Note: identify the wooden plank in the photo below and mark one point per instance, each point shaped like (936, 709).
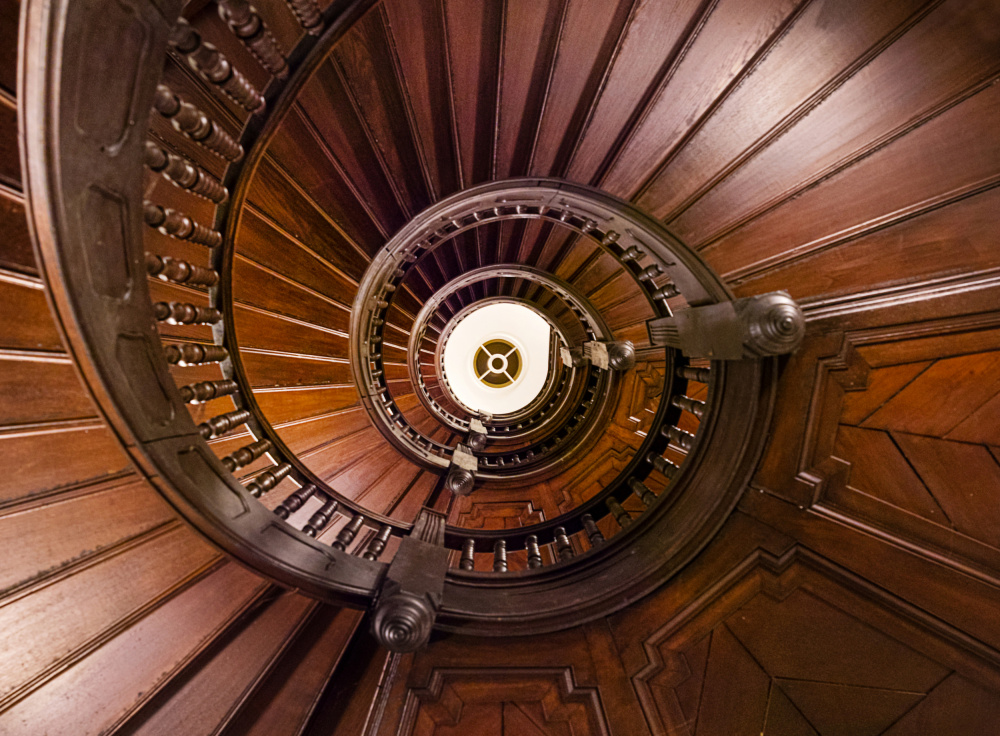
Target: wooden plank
(726, 44)
(909, 251)
(53, 457)
(127, 670)
(366, 62)
(472, 33)
(307, 434)
(649, 48)
(106, 596)
(947, 157)
(286, 405)
(942, 396)
(826, 138)
(289, 694)
(806, 63)
(273, 193)
(414, 31)
(46, 389)
(34, 328)
(9, 11)
(307, 160)
(16, 252)
(10, 159)
(200, 702)
(266, 370)
(61, 531)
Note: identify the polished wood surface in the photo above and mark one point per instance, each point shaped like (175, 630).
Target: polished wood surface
(844, 151)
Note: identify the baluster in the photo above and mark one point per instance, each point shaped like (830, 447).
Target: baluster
(500, 556)
(294, 502)
(166, 268)
(564, 548)
(641, 490)
(220, 425)
(692, 406)
(179, 313)
(246, 455)
(650, 272)
(683, 440)
(249, 27)
(620, 514)
(318, 521)
(690, 373)
(192, 353)
(378, 542)
(633, 253)
(349, 532)
(178, 225)
(184, 174)
(268, 480)
(593, 533)
(662, 465)
(195, 124)
(207, 390)
(468, 561)
(205, 59)
(534, 553)
(667, 291)
(308, 13)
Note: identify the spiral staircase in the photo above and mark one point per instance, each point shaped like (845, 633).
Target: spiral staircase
(245, 497)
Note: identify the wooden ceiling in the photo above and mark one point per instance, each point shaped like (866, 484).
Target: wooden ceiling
(844, 151)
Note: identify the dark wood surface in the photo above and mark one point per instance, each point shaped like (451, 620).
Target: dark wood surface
(843, 151)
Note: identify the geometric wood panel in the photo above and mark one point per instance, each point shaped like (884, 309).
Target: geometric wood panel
(795, 646)
(503, 702)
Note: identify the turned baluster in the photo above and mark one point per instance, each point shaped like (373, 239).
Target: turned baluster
(268, 480)
(650, 272)
(534, 552)
(318, 521)
(620, 514)
(377, 543)
(308, 13)
(500, 556)
(468, 561)
(633, 253)
(166, 268)
(641, 490)
(667, 291)
(245, 23)
(682, 439)
(205, 59)
(178, 313)
(207, 390)
(564, 548)
(178, 225)
(662, 465)
(690, 373)
(294, 502)
(192, 353)
(246, 455)
(686, 403)
(184, 174)
(220, 425)
(195, 124)
(348, 533)
(593, 533)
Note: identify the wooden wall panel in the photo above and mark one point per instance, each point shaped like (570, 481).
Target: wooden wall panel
(101, 690)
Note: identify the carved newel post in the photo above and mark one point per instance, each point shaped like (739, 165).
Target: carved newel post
(410, 596)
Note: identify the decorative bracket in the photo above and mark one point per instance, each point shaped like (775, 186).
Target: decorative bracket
(477, 435)
(616, 356)
(749, 328)
(462, 472)
(410, 597)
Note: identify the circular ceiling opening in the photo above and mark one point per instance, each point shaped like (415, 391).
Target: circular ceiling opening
(497, 358)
